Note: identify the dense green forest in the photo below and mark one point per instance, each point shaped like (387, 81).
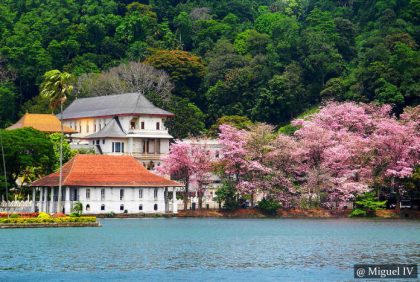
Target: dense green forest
(266, 60)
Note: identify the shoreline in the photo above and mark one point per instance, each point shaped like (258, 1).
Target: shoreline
(254, 213)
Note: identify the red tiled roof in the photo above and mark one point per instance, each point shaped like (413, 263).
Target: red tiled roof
(42, 122)
(105, 170)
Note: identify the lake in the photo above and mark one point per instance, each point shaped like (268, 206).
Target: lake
(178, 249)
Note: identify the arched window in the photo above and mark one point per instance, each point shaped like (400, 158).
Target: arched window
(121, 207)
(155, 194)
(155, 207)
(140, 207)
(102, 207)
(87, 207)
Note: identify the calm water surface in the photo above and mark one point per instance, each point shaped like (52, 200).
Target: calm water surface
(207, 249)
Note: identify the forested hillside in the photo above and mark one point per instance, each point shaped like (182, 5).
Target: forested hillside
(266, 60)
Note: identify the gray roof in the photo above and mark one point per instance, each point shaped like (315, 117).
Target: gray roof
(112, 129)
(130, 103)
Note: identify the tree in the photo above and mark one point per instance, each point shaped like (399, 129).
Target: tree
(29, 154)
(56, 87)
(125, 78)
(188, 163)
(186, 70)
(346, 149)
(68, 153)
(239, 122)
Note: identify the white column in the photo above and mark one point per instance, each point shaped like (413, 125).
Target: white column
(33, 199)
(41, 199)
(45, 199)
(52, 200)
(166, 199)
(174, 202)
(67, 201)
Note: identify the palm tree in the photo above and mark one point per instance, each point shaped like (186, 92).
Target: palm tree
(56, 87)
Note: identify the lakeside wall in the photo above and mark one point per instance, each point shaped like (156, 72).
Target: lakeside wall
(255, 213)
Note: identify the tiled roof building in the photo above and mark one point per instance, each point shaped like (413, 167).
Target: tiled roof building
(42, 122)
(105, 170)
(103, 184)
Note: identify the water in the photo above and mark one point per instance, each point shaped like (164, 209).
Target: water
(207, 249)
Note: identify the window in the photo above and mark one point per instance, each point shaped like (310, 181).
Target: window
(121, 194)
(133, 125)
(155, 207)
(87, 127)
(140, 207)
(100, 126)
(217, 154)
(102, 194)
(103, 141)
(121, 207)
(156, 193)
(142, 125)
(141, 194)
(158, 126)
(118, 147)
(102, 207)
(87, 194)
(87, 207)
(80, 127)
(94, 127)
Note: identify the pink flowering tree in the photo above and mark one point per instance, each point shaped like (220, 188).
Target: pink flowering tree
(247, 161)
(189, 164)
(202, 170)
(346, 147)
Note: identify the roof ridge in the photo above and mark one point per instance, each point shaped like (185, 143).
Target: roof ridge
(71, 163)
(119, 124)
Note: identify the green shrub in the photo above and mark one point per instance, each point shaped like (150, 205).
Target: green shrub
(110, 214)
(269, 206)
(367, 203)
(74, 214)
(77, 208)
(358, 213)
(14, 215)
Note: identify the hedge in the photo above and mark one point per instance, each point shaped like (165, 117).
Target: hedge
(47, 220)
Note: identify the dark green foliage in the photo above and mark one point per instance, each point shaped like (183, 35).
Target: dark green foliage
(228, 196)
(366, 205)
(28, 153)
(268, 206)
(264, 59)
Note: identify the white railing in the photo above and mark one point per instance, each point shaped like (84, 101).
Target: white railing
(16, 206)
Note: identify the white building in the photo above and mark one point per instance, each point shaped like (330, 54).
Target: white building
(104, 184)
(125, 124)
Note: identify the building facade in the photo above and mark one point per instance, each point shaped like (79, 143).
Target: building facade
(125, 124)
(105, 184)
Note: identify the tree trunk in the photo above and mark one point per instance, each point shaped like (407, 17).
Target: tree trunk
(398, 200)
(187, 180)
(252, 200)
(200, 202)
(59, 208)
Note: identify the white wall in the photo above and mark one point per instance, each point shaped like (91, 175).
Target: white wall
(131, 200)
